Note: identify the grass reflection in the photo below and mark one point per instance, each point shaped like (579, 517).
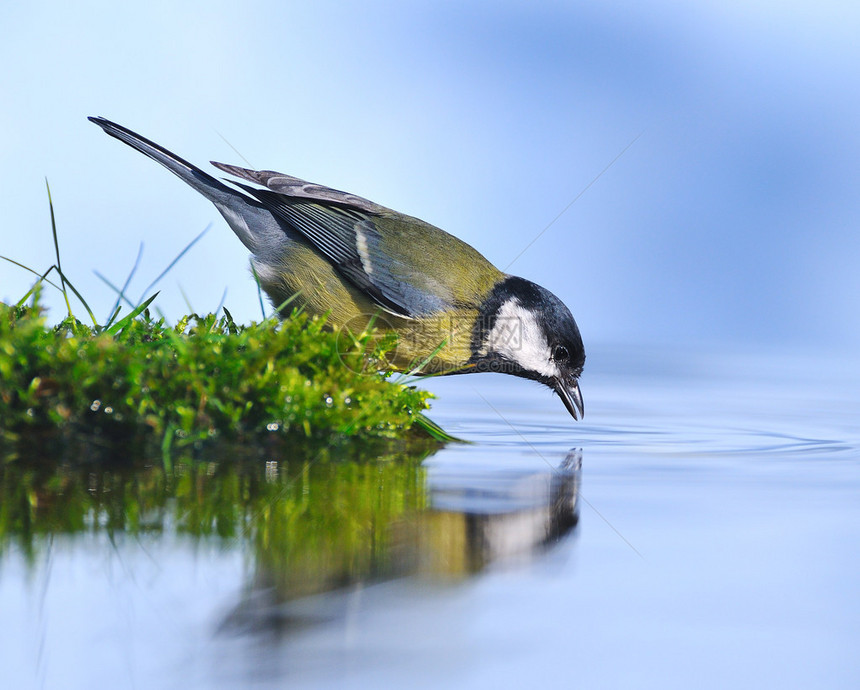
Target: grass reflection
(312, 498)
(311, 518)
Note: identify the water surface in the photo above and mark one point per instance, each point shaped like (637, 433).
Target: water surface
(701, 528)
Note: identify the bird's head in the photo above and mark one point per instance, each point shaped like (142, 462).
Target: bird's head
(525, 330)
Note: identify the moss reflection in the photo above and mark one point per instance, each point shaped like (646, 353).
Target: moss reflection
(281, 499)
(311, 519)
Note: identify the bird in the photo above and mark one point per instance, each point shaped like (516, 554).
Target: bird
(364, 266)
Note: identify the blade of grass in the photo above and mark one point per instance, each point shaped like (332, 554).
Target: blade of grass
(186, 300)
(57, 249)
(436, 431)
(80, 299)
(462, 369)
(230, 323)
(223, 299)
(115, 289)
(37, 285)
(34, 272)
(287, 302)
(37, 288)
(119, 325)
(415, 369)
(175, 260)
(259, 289)
(112, 317)
(166, 442)
(63, 280)
(121, 294)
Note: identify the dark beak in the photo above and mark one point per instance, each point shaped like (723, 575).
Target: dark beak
(571, 396)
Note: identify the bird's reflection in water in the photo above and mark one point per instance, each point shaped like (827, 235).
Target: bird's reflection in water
(437, 525)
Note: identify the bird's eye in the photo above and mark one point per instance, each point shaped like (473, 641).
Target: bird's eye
(560, 354)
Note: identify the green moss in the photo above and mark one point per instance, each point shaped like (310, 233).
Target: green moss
(142, 380)
(139, 382)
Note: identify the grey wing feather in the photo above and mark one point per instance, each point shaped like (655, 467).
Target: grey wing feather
(297, 188)
(341, 226)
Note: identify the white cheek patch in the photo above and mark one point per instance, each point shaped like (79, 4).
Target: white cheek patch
(517, 336)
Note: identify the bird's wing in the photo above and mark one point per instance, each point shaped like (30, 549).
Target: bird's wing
(296, 188)
(372, 247)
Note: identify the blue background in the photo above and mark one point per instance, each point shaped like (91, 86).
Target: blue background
(731, 219)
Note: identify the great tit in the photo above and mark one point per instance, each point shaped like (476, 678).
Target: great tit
(362, 264)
